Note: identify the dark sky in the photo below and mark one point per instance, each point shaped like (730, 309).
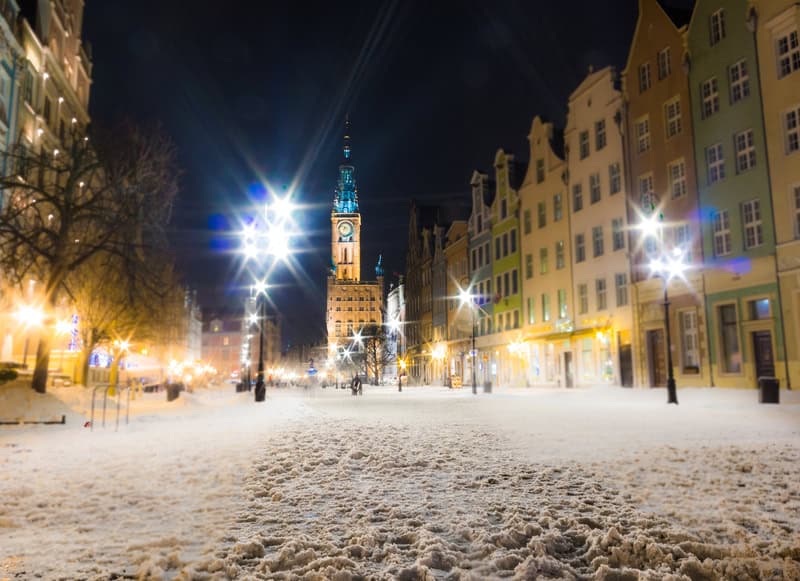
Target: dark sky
(249, 88)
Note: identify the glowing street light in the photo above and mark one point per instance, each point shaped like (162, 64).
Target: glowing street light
(28, 316)
(466, 299)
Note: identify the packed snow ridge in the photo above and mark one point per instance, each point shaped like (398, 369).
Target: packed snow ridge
(421, 485)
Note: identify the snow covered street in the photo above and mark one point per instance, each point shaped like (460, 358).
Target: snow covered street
(428, 484)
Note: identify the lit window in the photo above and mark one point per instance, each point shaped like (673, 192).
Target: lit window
(562, 304)
(545, 307)
(580, 248)
(677, 178)
(531, 311)
(584, 144)
(617, 234)
(539, 171)
(583, 299)
(577, 198)
(621, 286)
(751, 217)
(729, 335)
(600, 291)
(557, 208)
(739, 81)
(792, 128)
(643, 134)
(559, 255)
(597, 241)
(690, 351)
(759, 309)
(529, 266)
(543, 261)
(717, 26)
(647, 196)
(644, 77)
(682, 238)
(600, 134)
(716, 163)
(542, 214)
(710, 97)
(594, 188)
(745, 150)
(788, 54)
(664, 65)
(672, 117)
(614, 178)
(722, 233)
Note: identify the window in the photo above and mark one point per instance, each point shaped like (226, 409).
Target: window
(797, 211)
(531, 311)
(580, 248)
(644, 77)
(584, 144)
(542, 214)
(617, 234)
(562, 303)
(751, 217)
(46, 111)
(664, 65)
(599, 134)
(559, 255)
(614, 178)
(474, 259)
(739, 81)
(226, 340)
(577, 198)
(543, 261)
(539, 171)
(558, 211)
(716, 163)
(480, 223)
(672, 117)
(594, 188)
(526, 222)
(745, 150)
(506, 281)
(729, 339)
(643, 134)
(583, 299)
(529, 266)
(516, 319)
(545, 307)
(759, 309)
(792, 125)
(28, 86)
(597, 241)
(505, 244)
(788, 54)
(480, 256)
(513, 236)
(717, 26)
(499, 285)
(677, 178)
(514, 282)
(710, 97)
(600, 291)
(647, 197)
(722, 233)
(682, 238)
(690, 351)
(497, 248)
(503, 209)
(621, 286)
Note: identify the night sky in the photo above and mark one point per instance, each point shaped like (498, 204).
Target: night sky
(260, 88)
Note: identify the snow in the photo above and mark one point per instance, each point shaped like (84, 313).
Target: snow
(430, 483)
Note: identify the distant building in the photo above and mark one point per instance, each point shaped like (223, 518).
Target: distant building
(194, 326)
(396, 321)
(352, 304)
(222, 345)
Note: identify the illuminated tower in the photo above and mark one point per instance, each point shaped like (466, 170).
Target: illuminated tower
(345, 219)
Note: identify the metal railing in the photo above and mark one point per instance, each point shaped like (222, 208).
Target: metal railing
(106, 389)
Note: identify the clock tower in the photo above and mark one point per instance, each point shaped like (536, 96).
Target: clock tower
(353, 305)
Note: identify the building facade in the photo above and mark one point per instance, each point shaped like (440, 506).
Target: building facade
(602, 337)
(479, 234)
(745, 339)
(546, 250)
(777, 25)
(352, 304)
(459, 318)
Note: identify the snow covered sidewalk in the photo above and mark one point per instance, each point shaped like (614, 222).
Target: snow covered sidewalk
(427, 484)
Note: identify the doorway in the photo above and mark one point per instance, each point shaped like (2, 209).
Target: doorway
(626, 365)
(763, 356)
(568, 381)
(656, 358)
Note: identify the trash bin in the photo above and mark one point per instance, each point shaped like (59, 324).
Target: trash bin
(487, 387)
(173, 391)
(769, 390)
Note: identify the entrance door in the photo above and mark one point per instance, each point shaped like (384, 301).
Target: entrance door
(568, 369)
(626, 365)
(762, 354)
(656, 358)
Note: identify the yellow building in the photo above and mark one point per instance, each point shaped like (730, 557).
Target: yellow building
(352, 304)
(778, 39)
(546, 273)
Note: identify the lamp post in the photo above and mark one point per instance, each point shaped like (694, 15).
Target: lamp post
(28, 316)
(466, 298)
(268, 237)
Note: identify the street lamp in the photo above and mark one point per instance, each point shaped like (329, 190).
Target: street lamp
(466, 298)
(28, 316)
(394, 326)
(667, 265)
(261, 389)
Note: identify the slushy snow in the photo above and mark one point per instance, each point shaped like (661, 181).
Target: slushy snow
(430, 483)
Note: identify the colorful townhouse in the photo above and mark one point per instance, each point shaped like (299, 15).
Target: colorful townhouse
(745, 338)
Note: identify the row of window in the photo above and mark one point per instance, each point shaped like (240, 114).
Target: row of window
(541, 214)
(673, 124)
(751, 225)
(600, 141)
(349, 327)
(505, 244)
(744, 154)
(738, 88)
(598, 240)
(595, 188)
(543, 260)
(664, 61)
(480, 256)
(340, 309)
(507, 283)
(349, 298)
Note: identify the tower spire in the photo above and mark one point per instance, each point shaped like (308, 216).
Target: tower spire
(346, 148)
(345, 199)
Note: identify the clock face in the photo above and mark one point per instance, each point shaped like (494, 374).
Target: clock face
(345, 230)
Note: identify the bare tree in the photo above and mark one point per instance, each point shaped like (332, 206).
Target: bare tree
(65, 208)
(377, 351)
